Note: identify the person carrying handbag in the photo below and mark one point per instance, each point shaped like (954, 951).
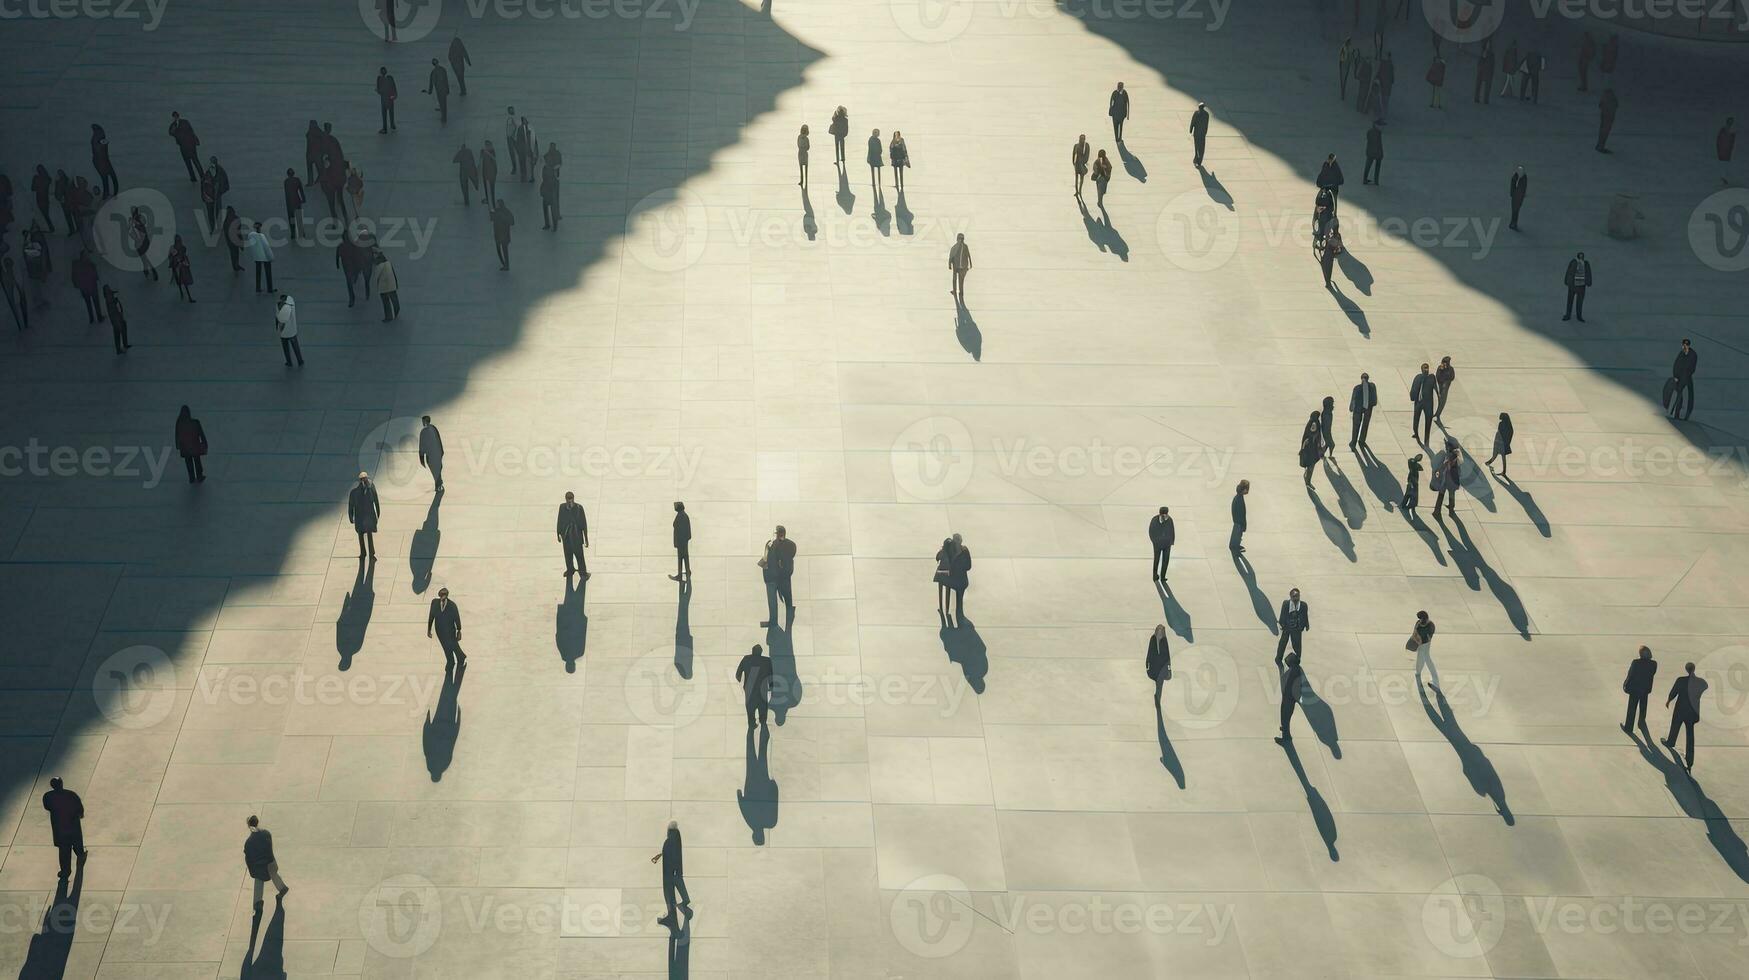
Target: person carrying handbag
(1421, 645)
(1159, 662)
(777, 567)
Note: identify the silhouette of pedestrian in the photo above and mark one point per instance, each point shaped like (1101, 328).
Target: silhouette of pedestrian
(191, 445)
(466, 171)
(438, 84)
(511, 130)
(1421, 644)
(489, 174)
(445, 622)
(951, 602)
(1375, 154)
(315, 147)
(362, 511)
(1199, 131)
(1412, 490)
(549, 198)
(1118, 108)
(802, 144)
(16, 299)
(1685, 694)
(118, 320)
(502, 221)
(1330, 249)
(1292, 679)
(285, 323)
(673, 874)
(258, 858)
(1294, 618)
(1446, 480)
(101, 163)
(1682, 381)
(1516, 190)
(1361, 402)
(839, 128)
(66, 824)
(181, 269)
(573, 533)
(42, 187)
(1162, 534)
(900, 156)
(386, 95)
(140, 239)
(231, 230)
(260, 253)
(959, 262)
(1578, 279)
(459, 62)
(84, 276)
(777, 567)
(1235, 543)
(1423, 391)
(525, 145)
(1079, 156)
(1311, 447)
(753, 673)
(388, 287)
(187, 144)
(1158, 662)
(1484, 74)
(431, 450)
(386, 14)
(1326, 421)
(682, 546)
(1330, 178)
(1346, 61)
(1101, 177)
(1638, 687)
(875, 160)
(1502, 443)
(1443, 376)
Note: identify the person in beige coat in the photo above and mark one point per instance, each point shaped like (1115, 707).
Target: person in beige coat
(382, 279)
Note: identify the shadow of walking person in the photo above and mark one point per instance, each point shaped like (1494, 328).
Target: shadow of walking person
(1132, 164)
(443, 724)
(1352, 310)
(1259, 601)
(1484, 779)
(1217, 191)
(966, 330)
(680, 948)
(422, 552)
(1696, 805)
(1355, 271)
(1321, 815)
(786, 684)
(1333, 527)
(571, 624)
(810, 227)
(1177, 617)
(266, 962)
(1476, 570)
(902, 216)
(1526, 501)
(50, 949)
(846, 198)
(758, 794)
(1168, 754)
(1319, 716)
(1100, 232)
(355, 613)
(966, 648)
(683, 633)
(1347, 498)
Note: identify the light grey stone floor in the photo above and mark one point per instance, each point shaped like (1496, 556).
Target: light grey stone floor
(1000, 799)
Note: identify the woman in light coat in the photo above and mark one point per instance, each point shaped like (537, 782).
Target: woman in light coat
(382, 279)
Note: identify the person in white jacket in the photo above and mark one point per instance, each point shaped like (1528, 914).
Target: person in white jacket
(285, 324)
(261, 253)
(382, 279)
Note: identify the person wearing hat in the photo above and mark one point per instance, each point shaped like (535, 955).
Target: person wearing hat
(362, 510)
(446, 621)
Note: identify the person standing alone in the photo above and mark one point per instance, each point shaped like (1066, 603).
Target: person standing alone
(573, 532)
(1682, 373)
(362, 511)
(1118, 108)
(258, 858)
(66, 824)
(1162, 535)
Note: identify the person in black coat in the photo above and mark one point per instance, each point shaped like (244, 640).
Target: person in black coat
(118, 319)
(1294, 618)
(66, 824)
(1159, 661)
(1330, 177)
(438, 84)
(294, 202)
(488, 174)
(1235, 543)
(1361, 401)
(1450, 471)
(258, 858)
(100, 161)
(777, 568)
(549, 198)
(353, 261)
(16, 299)
(754, 676)
(1578, 279)
(1682, 373)
(1638, 687)
(187, 144)
(1118, 108)
(1199, 131)
(1502, 443)
(362, 510)
(386, 95)
(1484, 73)
(502, 221)
(445, 622)
(673, 874)
(573, 532)
(1412, 486)
(1375, 154)
(1162, 535)
(1292, 680)
(1422, 392)
(1685, 694)
(682, 543)
(1515, 189)
(466, 171)
(315, 147)
(191, 444)
(459, 63)
(1311, 446)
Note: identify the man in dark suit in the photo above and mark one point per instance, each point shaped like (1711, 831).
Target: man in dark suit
(1361, 401)
(446, 621)
(1375, 154)
(1421, 395)
(187, 143)
(1235, 543)
(1516, 188)
(754, 676)
(1578, 280)
(1199, 130)
(439, 85)
(1292, 679)
(386, 94)
(1638, 687)
(1683, 373)
(1294, 619)
(682, 546)
(673, 874)
(66, 816)
(459, 63)
(573, 535)
(1162, 534)
(362, 509)
(778, 565)
(1119, 110)
(1685, 693)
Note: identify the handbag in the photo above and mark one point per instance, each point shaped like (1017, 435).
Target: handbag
(1414, 643)
(1436, 479)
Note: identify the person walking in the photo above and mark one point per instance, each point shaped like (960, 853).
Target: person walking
(1293, 679)
(1345, 65)
(1422, 392)
(1101, 178)
(778, 567)
(187, 144)
(294, 203)
(1443, 376)
(231, 230)
(802, 144)
(1294, 619)
(1361, 402)
(573, 534)
(1412, 487)
(1587, 52)
(1311, 447)
(387, 285)
(1158, 662)
(221, 182)
(1330, 178)
(1162, 534)
(118, 319)
(386, 95)
(753, 673)
(900, 156)
(285, 322)
(1421, 644)
(444, 620)
(489, 175)
(673, 874)
(1079, 156)
(1515, 190)
(959, 262)
(1606, 109)
(438, 84)
(1532, 85)
(943, 573)
(1484, 73)
(459, 62)
(525, 145)
(1118, 108)
(1326, 424)
(259, 860)
(191, 445)
(1685, 694)
(62, 187)
(66, 824)
(875, 161)
(260, 253)
(315, 145)
(84, 276)
(1199, 132)
(502, 221)
(1375, 154)
(512, 129)
(1235, 543)
(1725, 143)
(431, 451)
(1578, 279)
(1638, 687)
(549, 198)
(1502, 444)
(42, 188)
(181, 269)
(1611, 52)
(840, 129)
(1682, 377)
(1436, 80)
(332, 180)
(959, 560)
(1508, 68)
(363, 509)
(355, 188)
(1384, 80)
(682, 543)
(1331, 248)
(353, 260)
(17, 301)
(140, 241)
(466, 172)
(553, 159)
(101, 163)
(1363, 87)
(1446, 479)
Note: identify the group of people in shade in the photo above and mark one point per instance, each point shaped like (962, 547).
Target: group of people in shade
(895, 152)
